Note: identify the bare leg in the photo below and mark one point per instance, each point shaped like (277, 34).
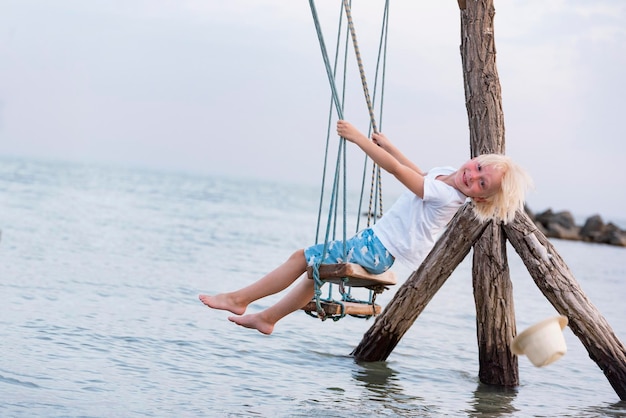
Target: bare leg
(264, 321)
(275, 281)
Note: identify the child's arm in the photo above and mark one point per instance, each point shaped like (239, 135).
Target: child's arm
(382, 141)
(408, 175)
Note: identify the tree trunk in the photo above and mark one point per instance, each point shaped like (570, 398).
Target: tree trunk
(483, 95)
(495, 311)
(413, 296)
(558, 285)
(493, 294)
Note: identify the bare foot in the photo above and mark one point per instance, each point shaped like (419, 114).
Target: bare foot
(223, 301)
(254, 321)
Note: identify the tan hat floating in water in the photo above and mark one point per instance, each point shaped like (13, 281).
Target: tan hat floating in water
(543, 343)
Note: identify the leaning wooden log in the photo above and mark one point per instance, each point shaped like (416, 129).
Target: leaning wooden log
(558, 285)
(495, 313)
(413, 296)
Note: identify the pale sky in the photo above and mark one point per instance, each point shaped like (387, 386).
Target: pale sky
(239, 88)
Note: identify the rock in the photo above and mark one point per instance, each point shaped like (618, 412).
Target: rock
(564, 219)
(557, 230)
(562, 225)
(558, 225)
(612, 235)
(592, 228)
(544, 217)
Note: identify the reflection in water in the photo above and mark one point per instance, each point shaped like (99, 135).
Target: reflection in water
(384, 384)
(379, 378)
(617, 409)
(493, 401)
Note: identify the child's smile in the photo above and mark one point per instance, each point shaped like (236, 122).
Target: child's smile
(477, 181)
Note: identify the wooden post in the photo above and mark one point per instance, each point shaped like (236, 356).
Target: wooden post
(495, 313)
(493, 290)
(483, 94)
(558, 285)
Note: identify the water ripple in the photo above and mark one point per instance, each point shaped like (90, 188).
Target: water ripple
(100, 269)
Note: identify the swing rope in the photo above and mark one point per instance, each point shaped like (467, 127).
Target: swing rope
(376, 190)
(334, 194)
(340, 165)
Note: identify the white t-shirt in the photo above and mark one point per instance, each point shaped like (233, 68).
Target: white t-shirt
(410, 227)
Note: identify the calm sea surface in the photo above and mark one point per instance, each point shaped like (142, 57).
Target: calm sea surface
(100, 269)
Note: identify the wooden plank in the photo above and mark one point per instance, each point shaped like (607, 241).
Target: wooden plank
(357, 276)
(352, 308)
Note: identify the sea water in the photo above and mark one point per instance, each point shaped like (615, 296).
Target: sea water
(100, 271)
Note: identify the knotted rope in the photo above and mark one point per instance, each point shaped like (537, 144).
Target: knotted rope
(375, 188)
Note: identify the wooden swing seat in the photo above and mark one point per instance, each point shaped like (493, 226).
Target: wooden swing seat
(351, 308)
(356, 275)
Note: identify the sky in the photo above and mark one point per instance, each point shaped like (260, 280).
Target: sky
(239, 88)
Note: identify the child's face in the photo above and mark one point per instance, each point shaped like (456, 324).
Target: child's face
(478, 181)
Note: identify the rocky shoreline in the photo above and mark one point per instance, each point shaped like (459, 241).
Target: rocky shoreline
(562, 225)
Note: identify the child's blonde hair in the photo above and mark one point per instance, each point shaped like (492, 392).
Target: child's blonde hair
(511, 196)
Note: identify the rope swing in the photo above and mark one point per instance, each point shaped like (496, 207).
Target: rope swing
(347, 275)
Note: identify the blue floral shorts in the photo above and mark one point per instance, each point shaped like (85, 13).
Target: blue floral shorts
(364, 249)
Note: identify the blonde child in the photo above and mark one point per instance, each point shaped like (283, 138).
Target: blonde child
(406, 232)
